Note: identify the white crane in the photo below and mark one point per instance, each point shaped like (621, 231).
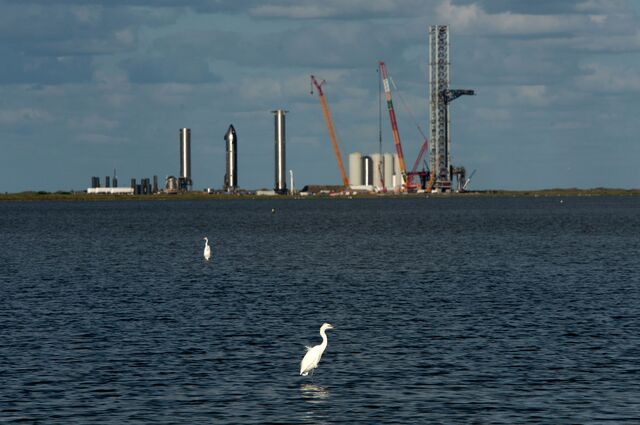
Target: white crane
(207, 248)
(314, 354)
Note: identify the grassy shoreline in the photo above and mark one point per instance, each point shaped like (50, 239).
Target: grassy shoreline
(197, 196)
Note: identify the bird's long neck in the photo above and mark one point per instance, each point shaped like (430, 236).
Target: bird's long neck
(324, 338)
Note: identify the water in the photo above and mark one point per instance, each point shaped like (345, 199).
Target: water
(518, 310)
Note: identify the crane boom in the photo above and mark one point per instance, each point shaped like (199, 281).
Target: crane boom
(414, 171)
(392, 117)
(332, 132)
(423, 149)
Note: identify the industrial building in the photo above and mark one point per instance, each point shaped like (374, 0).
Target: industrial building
(375, 172)
(111, 190)
(96, 188)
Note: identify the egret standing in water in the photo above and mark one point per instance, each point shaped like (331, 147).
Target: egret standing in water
(312, 358)
(207, 248)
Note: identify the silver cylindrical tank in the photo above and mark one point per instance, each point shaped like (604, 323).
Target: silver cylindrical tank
(376, 165)
(185, 156)
(388, 170)
(367, 171)
(280, 185)
(355, 169)
(231, 175)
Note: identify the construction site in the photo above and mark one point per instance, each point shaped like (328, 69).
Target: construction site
(432, 170)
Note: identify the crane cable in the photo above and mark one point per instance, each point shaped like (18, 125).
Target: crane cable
(406, 107)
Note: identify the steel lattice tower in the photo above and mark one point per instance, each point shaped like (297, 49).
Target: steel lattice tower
(439, 98)
(439, 152)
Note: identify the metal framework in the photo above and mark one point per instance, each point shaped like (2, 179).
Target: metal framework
(394, 123)
(332, 131)
(439, 98)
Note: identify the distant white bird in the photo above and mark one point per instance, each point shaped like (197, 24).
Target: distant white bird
(207, 248)
(312, 358)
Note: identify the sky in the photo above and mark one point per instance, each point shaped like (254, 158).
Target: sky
(87, 86)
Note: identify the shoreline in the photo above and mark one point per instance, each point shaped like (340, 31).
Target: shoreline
(203, 196)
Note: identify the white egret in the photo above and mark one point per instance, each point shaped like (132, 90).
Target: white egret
(312, 358)
(207, 248)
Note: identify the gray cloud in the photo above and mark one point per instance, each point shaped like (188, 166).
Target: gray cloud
(153, 70)
(548, 7)
(21, 68)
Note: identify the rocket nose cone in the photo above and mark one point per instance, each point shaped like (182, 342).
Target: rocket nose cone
(231, 133)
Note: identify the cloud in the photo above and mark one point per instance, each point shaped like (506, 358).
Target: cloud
(182, 69)
(598, 78)
(24, 116)
(338, 9)
(548, 7)
(20, 68)
(474, 19)
(535, 95)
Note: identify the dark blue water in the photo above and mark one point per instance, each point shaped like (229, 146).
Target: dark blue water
(517, 310)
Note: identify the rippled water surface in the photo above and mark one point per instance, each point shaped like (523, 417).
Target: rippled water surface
(510, 310)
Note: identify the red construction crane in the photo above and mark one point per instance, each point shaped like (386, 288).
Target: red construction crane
(414, 171)
(332, 132)
(394, 123)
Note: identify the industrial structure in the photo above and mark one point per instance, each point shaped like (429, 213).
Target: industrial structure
(144, 188)
(280, 185)
(332, 132)
(184, 181)
(440, 95)
(231, 174)
(377, 171)
(394, 124)
(374, 172)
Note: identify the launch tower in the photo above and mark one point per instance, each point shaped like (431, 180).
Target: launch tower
(439, 98)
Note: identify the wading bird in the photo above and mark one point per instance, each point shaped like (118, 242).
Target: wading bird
(207, 248)
(312, 358)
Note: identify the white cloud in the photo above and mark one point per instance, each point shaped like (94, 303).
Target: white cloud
(355, 9)
(472, 19)
(534, 95)
(609, 79)
(24, 116)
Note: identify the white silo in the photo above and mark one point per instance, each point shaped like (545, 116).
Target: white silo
(355, 169)
(376, 165)
(398, 180)
(388, 170)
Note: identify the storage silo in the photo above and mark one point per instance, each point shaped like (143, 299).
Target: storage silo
(367, 172)
(185, 159)
(388, 170)
(231, 175)
(398, 175)
(280, 152)
(376, 166)
(355, 169)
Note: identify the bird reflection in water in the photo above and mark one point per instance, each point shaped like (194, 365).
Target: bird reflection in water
(314, 393)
